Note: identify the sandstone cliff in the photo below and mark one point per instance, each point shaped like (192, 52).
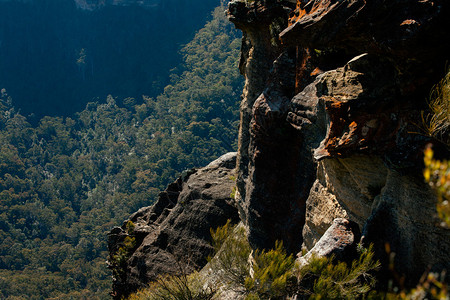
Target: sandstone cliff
(329, 131)
(329, 113)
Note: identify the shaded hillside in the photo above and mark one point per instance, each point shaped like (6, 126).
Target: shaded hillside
(55, 57)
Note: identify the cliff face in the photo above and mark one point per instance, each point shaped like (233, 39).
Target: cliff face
(328, 119)
(333, 93)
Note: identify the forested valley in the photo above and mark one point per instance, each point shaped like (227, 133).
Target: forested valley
(65, 181)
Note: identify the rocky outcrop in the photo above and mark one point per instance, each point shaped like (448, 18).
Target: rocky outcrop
(173, 235)
(259, 49)
(328, 142)
(340, 241)
(333, 132)
(264, 134)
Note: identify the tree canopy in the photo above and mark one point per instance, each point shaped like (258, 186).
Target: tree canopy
(65, 182)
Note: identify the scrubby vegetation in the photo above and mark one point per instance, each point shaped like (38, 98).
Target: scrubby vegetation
(66, 182)
(232, 253)
(274, 275)
(437, 174)
(261, 275)
(337, 280)
(118, 261)
(436, 122)
(270, 274)
(178, 287)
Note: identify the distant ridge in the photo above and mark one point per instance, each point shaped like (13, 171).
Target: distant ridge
(58, 55)
(93, 4)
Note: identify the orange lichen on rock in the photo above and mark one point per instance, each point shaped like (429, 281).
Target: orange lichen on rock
(302, 67)
(297, 13)
(410, 22)
(316, 71)
(318, 7)
(335, 110)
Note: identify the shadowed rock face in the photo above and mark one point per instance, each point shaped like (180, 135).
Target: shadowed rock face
(332, 130)
(408, 33)
(173, 235)
(260, 24)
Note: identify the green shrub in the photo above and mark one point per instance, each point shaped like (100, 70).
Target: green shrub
(271, 270)
(118, 260)
(273, 275)
(437, 122)
(262, 275)
(330, 280)
(232, 253)
(177, 287)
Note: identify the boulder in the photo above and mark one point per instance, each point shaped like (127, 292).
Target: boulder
(340, 241)
(173, 235)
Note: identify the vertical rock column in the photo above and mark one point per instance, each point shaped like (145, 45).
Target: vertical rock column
(274, 201)
(257, 54)
(273, 179)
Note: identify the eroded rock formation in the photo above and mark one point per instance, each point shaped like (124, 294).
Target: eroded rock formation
(340, 241)
(328, 133)
(333, 133)
(173, 235)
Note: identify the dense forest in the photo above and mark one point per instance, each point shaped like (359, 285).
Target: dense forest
(56, 57)
(66, 181)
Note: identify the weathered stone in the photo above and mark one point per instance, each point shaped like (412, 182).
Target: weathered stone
(362, 106)
(340, 241)
(355, 123)
(321, 208)
(260, 47)
(403, 31)
(327, 131)
(344, 188)
(277, 188)
(404, 218)
(368, 146)
(174, 233)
